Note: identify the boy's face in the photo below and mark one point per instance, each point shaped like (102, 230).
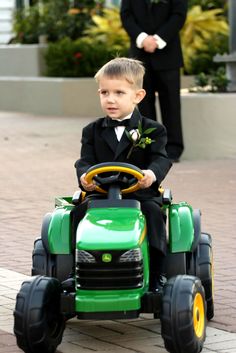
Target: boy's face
(118, 97)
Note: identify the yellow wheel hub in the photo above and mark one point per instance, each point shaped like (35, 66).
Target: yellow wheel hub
(198, 315)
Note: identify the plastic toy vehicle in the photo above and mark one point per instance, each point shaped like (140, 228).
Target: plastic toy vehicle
(103, 272)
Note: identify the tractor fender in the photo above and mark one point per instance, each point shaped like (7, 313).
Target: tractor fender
(56, 231)
(181, 227)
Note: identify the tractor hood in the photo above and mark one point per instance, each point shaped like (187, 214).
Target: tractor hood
(111, 228)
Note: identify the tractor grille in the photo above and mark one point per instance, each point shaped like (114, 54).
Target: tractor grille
(109, 269)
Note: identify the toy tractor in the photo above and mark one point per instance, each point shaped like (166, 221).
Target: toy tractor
(102, 271)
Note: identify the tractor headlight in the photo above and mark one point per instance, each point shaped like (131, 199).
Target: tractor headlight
(133, 255)
(83, 256)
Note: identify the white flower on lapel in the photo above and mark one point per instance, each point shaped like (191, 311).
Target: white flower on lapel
(135, 135)
(139, 138)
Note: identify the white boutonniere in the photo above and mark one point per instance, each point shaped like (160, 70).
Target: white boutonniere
(139, 138)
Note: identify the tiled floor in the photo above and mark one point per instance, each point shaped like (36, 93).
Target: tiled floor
(119, 336)
(36, 160)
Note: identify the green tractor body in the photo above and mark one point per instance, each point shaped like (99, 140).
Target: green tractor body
(111, 256)
(101, 271)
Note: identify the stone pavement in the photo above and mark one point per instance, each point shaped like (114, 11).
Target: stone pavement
(119, 336)
(36, 160)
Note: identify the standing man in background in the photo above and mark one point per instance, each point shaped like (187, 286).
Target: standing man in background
(153, 27)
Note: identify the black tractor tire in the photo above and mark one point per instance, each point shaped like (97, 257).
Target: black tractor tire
(38, 322)
(183, 317)
(43, 263)
(60, 266)
(201, 266)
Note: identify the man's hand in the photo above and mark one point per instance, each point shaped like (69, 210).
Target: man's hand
(86, 185)
(150, 44)
(147, 180)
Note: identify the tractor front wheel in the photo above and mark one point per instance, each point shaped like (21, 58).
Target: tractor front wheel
(183, 315)
(201, 266)
(38, 322)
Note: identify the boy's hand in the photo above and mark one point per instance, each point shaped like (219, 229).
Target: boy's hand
(86, 185)
(148, 179)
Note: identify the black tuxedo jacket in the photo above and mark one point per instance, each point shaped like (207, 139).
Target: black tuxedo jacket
(100, 144)
(165, 19)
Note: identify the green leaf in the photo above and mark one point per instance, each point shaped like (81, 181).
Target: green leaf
(140, 128)
(148, 131)
(128, 135)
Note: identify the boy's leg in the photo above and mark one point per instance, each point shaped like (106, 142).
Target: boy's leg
(77, 214)
(155, 224)
(156, 230)
(157, 270)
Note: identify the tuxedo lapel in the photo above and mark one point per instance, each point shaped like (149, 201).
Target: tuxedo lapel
(109, 136)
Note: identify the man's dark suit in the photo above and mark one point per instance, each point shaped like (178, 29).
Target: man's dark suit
(165, 19)
(100, 144)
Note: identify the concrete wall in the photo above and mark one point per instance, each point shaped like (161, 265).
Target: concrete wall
(22, 60)
(50, 96)
(209, 123)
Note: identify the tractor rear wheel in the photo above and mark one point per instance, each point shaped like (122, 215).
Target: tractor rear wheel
(183, 315)
(43, 263)
(38, 322)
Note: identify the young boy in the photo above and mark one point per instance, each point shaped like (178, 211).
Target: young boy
(105, 140)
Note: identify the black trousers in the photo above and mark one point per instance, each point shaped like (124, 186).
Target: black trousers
(167, 84)
(156, 227)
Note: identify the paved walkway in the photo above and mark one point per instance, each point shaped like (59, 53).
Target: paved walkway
(36, 161)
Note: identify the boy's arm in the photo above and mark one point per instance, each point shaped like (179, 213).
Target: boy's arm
(159, 161)
(87, 155)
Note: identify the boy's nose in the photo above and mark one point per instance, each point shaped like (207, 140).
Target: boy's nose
(110, 98)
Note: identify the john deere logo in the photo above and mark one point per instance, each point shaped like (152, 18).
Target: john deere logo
(106, 257)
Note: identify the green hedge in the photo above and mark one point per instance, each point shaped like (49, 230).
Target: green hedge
(80, 58)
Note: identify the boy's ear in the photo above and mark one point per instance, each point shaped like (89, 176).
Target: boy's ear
(140, 94)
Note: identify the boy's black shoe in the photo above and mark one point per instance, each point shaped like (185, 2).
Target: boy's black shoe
(158, 283)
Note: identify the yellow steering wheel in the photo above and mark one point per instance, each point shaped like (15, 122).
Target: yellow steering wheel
(127, 176)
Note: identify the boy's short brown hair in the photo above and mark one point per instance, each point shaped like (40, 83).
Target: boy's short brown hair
(130, 69)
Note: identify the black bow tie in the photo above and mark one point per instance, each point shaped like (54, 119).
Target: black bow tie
(114, 123)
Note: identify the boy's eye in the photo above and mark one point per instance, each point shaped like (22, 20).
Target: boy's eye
(103, 92)
(120, 93)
